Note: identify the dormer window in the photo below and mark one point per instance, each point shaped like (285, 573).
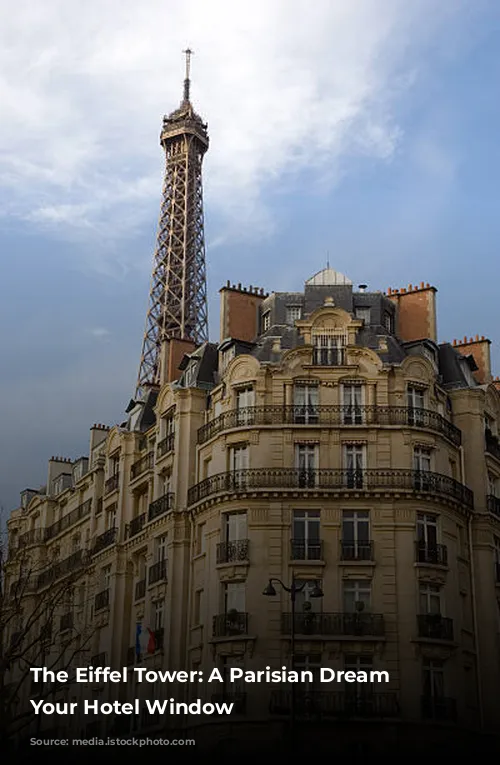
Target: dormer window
(227, 355)
(190, 374)
(388, 322)
(329, 348)
(266, 321)
(293, 314)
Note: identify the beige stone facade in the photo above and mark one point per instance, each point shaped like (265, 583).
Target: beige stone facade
(370, 477)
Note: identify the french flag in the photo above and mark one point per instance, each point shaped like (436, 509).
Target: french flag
(145, 641)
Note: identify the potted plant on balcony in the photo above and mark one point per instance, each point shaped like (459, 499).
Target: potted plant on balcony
(233, 621)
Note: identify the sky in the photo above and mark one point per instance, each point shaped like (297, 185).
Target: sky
(359, 132)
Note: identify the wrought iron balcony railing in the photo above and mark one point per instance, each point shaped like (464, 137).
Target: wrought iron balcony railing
(66, 622)
(241, 481)
(165, 445)
(302, 549)
(314, 703)
(158, 572)
(82, 511)
(112, 483)
(339, 416)
(140, 589)
(233, 552)
(238, 699)
(161, 506)
(435, 627)
(439, 708)
(104, 540)
(101, 600)
(433, 554)
(231, 624)
(142, 465)
(135, 526)
(359, 624)
(356, 551)
(31, 537)
(492, 444)
(69, 565)
(493, 504)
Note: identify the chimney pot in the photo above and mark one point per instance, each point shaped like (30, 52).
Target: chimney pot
(422, 285)
(477, 338)
(410, 287)
(482, 337)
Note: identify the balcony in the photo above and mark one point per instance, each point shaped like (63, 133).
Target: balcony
(101, 600)
(337, 416)
(135, 526)
(232, 624)
(165, 445)
(99, 660)
(306, 550)
(233, 552)
(340, 481)
(492, 444)
(104, 540)
(239, 701)
(140, 590)
(432, 554)
(160, 506)
(82, 511)
(313, 703)
(356, 551)
(439, 708)
(142, 465)
(66, 622)
(69, 565)
(112, 483)
(492, 503)
(158, 572)
(435, 627)
(357, 624)
(32, 537)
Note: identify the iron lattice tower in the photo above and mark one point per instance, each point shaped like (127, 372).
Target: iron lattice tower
(178, 293)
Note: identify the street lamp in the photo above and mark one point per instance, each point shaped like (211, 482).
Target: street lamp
(296, 586)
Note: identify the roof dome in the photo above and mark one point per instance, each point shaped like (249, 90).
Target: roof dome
(327, 277)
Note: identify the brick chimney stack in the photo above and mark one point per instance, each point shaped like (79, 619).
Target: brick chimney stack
(415, 312)
(479, 348)
(239, 312)
(173, 351)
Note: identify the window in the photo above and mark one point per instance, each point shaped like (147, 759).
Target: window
(245, 399)
(492, 485)
(306, 543)
(190, 374)
(306, 460)
(363, 313)
(359, 696)
(161, 548)
(421, 466)
(293, 314)
(303, 601)
(429, 599)
(166, 483)
(329, 348)
(234, 597)
(200, 539)
(309, 663)
(197, 607)
(356, 543)
(106, 577)
(226, 356)
(352, 403)
(266, 321)
(354, 465)
(357, 595)
(428, 549)
(235, 527)
(415, 398)
(75, 543)
(233, 689)
(111, 516)
(114, 465)
(238, 464)
(305, 403)
(158, 615)
(388, 322)
(433, 679)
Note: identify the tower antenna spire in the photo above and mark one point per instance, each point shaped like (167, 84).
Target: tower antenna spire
(187, 82)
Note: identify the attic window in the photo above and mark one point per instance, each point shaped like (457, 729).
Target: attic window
(226, 356)
(266, 321)
(190, 374)
(293, 314)
(388, 322)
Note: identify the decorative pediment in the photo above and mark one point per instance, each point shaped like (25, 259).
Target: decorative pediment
(243, 368)
(166, 399)
(367, 361)
(418, 368)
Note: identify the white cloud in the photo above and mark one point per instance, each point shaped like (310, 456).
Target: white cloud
(100, 332)
(284, 85)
